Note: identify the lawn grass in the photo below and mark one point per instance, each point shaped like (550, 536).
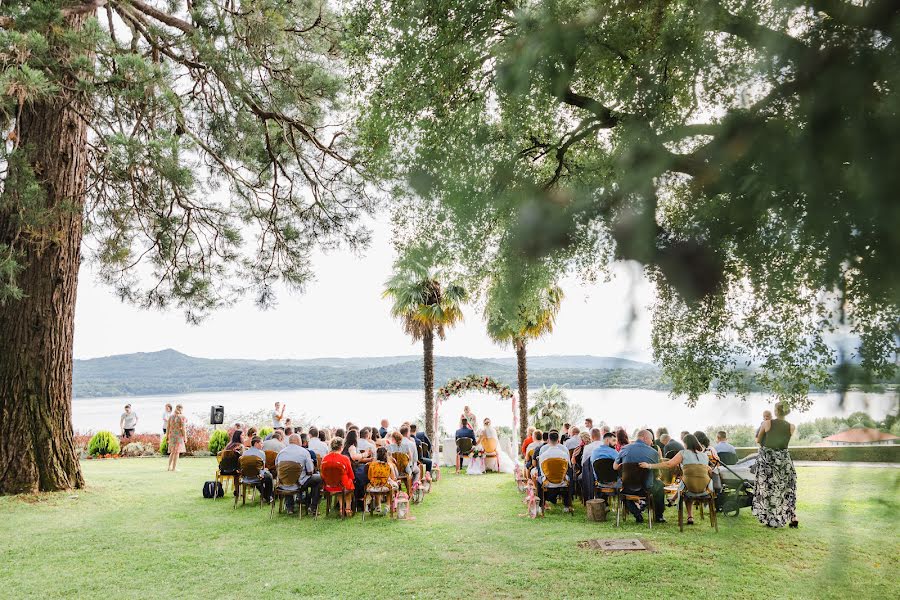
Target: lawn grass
(140, 532)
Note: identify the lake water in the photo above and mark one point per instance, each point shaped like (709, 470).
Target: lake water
(627, 407)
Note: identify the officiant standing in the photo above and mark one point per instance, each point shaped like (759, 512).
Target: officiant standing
(469, 417)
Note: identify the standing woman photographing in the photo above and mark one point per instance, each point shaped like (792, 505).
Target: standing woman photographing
(176, 433)
(775, 494)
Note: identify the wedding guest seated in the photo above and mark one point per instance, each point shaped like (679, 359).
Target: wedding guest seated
(707, 446)
(671, 446)
(383, 430)
(693, 454)
(574, 439)
(422, 443)
(621, 439)
(251, 433)
(359, 462)
(275, 443)
(309, 480)
(236, 444)
(288, 432)
(727, 453)
(528, 439)
(657, 441)
(336, 457)
(587, 473)
(382, 473)
(265, 483)
(317, 445)
(304, 442)
(641, 451)
(364, 443)
(530, 458)
(409, 447)
(683, 433)
(339, 433)
(606, 449)
(565, 433)
(395, 446)
(553, 449)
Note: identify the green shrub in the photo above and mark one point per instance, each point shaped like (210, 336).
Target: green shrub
(164, 445)
(264, 432)
(217, 441)
(102, 443)
(887, 454)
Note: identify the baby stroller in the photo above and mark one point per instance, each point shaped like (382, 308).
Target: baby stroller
(737, 486)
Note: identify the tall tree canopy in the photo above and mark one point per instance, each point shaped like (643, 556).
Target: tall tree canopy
(198, 145)
(743, 150)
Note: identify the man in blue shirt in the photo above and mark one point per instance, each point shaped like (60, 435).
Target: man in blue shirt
(641, 450)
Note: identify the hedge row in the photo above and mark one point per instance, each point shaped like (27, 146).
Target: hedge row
(886, 454)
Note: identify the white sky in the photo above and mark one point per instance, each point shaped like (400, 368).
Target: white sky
(342, 314)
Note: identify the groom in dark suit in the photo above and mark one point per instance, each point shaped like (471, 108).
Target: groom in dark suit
(464, 431)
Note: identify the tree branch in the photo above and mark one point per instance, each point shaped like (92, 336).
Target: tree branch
(162, 17)
(88, 6)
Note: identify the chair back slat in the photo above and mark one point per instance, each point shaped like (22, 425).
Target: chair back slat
(289, 473)
(696, 478)
(230, 463)
(250, 467)
(604, 471)
(333, 475)
(728, 458)
(489, 445)
(633, 477)
(554, 470)
(402, 460)
(271, 455)
(464, 445)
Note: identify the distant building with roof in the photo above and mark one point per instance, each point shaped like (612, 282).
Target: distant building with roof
(859, 436)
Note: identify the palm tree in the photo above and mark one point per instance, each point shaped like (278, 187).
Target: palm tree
(428, 304)
(533, 317)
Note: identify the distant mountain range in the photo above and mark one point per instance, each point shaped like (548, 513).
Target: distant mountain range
(171, 372)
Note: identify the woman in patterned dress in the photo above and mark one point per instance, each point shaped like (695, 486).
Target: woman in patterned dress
(175, 431)
(775, 494)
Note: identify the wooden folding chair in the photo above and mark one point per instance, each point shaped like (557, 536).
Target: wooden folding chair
(490, 452)
(696, 489)
(556, 471)
(606, 481)
(463, 449)
(333, 484)
(401, 460)
(634, 489)
(378, 489)
(229, 469)
(287, 484)
(251, 467)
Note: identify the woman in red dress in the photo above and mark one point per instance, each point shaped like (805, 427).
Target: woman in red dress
(335, 460)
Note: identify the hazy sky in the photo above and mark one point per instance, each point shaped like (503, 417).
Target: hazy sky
(343, 314)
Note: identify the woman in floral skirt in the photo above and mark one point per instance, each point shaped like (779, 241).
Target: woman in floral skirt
(175, 431)
(775, 494)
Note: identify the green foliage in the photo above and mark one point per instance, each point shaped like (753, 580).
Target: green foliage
(738, 435)
(550, 408)
(886, 454)
(188, 100)
(741, 151)
(102, 443)
(263, 432)
(217, 441)
(425, 298)
(164, 445)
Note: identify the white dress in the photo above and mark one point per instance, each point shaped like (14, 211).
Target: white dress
(506, 463)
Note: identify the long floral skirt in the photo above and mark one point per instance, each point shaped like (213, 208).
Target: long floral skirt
(775, 494)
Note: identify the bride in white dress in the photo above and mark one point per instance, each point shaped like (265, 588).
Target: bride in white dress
(487, 436)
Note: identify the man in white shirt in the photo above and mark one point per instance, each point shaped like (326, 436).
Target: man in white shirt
(309, 479)
(553, 449)
(167, 414)
(316, 444)
(574, 439)
(364, 442)
(409, 446)
(722, 444)
(278, 415)
(275, 443)
(128, 422)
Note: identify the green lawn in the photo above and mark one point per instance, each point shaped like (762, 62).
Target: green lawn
(140, 532)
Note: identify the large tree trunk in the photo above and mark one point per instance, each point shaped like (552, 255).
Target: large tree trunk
(523, 388)
(37, 450)
(428, 368)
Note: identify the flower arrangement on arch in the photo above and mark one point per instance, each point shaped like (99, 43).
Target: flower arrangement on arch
(474, 382)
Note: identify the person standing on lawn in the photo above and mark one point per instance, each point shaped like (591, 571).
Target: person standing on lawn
(775, 493)
(128, 422)
(175, 430)
(166, 414)
(277, 416)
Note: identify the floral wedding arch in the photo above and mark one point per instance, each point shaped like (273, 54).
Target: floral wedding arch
(477, 383)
